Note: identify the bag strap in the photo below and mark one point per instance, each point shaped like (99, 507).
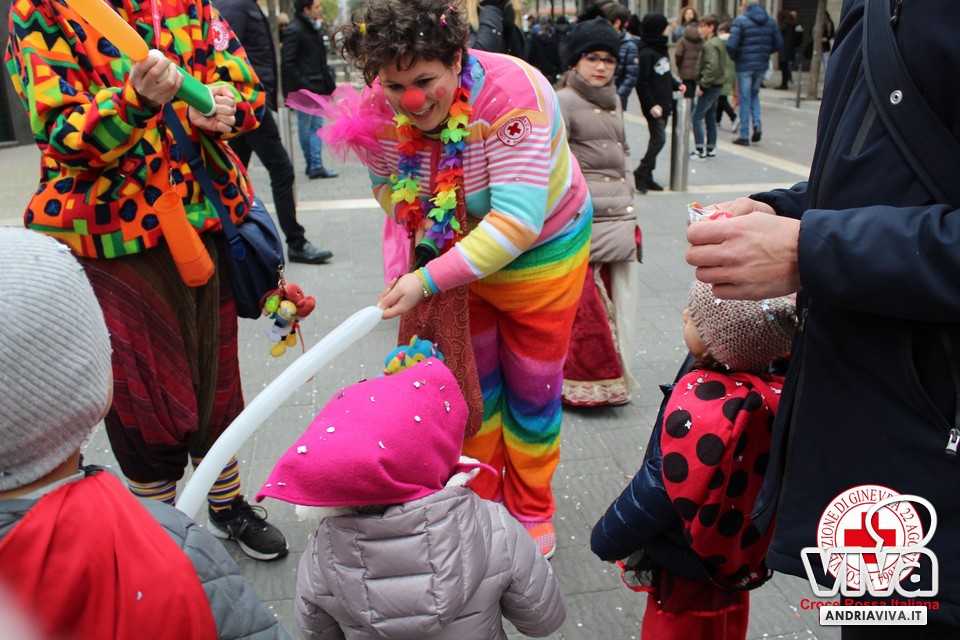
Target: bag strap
(913, 125)
(189, 153)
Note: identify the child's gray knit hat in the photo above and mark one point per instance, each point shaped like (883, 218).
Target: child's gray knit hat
(55, 376)
(743, 335)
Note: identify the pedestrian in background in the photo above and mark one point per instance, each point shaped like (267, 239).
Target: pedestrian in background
(543, 50)
(754, 37)
(655, 87)
(729, 83)
(787, 23)
(253, 29)
(687, 55)
(711, 71)
(679, 26)
(496, 26)
(597, 368)
(625, 75)
(303, 63)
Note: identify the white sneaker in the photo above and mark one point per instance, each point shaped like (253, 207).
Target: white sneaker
(735, 125)
(698, 156)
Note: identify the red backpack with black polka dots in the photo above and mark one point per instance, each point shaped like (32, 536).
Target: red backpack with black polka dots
(716, 444)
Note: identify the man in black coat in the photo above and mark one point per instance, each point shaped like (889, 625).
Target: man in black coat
(303, 63)
(870, 242)
(253, 30)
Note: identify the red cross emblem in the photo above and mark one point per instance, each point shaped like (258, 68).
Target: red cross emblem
(514, 130)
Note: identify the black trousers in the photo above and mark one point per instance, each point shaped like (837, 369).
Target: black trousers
(723, 107)
(658, 137)
(265, 142)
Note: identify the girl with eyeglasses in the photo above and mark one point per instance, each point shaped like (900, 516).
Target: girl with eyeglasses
(595, 372)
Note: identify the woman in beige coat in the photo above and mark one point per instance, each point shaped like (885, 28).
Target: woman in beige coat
(597, 366)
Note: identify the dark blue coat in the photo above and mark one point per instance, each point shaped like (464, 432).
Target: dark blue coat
(643, 516)
(754, 36)
(870, 395)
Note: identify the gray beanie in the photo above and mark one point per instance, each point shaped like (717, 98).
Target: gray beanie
(54, 357)
(743, 335)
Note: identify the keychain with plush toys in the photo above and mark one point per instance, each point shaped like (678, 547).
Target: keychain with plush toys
(286, 305)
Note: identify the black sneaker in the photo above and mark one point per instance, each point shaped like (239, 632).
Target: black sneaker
(743, 142)
(248, 526)
(756, 136)
(653, 185)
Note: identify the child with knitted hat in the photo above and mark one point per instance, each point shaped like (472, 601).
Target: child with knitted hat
(403, 548)
(683, 524)
(80, 556)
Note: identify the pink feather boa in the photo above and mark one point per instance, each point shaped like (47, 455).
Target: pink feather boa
(353, 121)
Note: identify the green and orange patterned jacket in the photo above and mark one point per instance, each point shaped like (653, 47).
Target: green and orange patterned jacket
(104, 159)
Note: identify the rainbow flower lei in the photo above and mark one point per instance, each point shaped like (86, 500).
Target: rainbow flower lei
(449, 177)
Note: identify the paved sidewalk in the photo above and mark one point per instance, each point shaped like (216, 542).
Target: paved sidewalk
(601, 448)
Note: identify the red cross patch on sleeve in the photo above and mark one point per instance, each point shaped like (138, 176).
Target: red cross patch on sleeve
(221, 36)
(514, 130)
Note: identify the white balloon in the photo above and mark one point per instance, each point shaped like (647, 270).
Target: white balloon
(269, 400)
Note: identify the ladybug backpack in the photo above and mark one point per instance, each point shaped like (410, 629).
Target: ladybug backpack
(715, 444)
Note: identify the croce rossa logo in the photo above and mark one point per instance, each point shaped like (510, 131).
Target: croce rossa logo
(871, 541)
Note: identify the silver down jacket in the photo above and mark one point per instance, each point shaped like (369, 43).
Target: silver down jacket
(447, 566)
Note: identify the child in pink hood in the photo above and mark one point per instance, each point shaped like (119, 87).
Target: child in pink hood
(403, 549)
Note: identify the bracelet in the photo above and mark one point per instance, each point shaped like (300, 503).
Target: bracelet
(424, 285)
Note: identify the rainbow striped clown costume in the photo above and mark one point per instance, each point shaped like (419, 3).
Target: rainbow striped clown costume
(524, 257)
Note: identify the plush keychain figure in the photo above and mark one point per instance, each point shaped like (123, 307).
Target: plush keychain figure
(410, 354)
(286, 306)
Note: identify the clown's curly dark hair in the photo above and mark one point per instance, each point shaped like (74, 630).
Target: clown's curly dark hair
(386, 32)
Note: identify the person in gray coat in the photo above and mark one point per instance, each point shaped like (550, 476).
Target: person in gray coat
(595, 371)
(80, 556)
(402, 548)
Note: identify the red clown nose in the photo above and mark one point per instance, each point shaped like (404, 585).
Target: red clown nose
(412, 99)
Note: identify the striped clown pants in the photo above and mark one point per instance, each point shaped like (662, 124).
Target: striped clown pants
(520, 323)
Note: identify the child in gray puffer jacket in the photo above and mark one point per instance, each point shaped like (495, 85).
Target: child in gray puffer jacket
(403, 548)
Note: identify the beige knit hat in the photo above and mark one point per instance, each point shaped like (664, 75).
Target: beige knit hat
(743, 335)
(54, 357)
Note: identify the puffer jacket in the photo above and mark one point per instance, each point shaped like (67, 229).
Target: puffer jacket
(448, 566)
(754, 36)
(594, 123)
(628, 68)
(642, 516)
(870, 396)
(237, 610)
(687, 54)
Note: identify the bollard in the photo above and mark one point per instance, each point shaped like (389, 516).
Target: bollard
(680, 145)
(799, 85)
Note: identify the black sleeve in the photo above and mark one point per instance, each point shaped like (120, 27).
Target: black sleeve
(489, 33)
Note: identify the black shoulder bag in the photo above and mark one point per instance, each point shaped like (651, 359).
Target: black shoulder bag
(255, 260)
